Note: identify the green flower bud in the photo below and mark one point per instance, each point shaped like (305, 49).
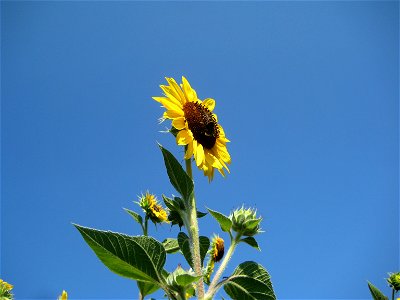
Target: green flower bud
(245, 221)
(394, 281)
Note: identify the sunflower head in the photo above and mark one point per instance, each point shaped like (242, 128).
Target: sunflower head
(156, 213)
(245, 221)
(195, 126)
(216, 253)
(64, 296)
(394, 281)
(217, 249)
(5, 290)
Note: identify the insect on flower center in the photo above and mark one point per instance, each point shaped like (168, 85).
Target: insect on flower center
(202, 123)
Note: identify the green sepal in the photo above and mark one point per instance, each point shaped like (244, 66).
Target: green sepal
(251, 241)
(171, 245)
(181, 181)
(376, 293)
(138, 218)
(137, 257)
(249, 281)
(224, 221)
(183, 241)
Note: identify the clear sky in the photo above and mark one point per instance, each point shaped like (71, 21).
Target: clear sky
(306, 91)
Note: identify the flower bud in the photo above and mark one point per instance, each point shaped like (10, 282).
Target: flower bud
(245, 221)
(64, 296)
(148, 202)
(5, 290)
(217, 249)
(394, 281)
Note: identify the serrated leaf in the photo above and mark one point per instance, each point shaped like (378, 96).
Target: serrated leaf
(147, 288)
(138, 218)
(136, 257)
(224, 221)
(249, 281)
(251, 241)
(171, 245)
(177, 176)
(186, 279)
(184, 245)
(376, 293)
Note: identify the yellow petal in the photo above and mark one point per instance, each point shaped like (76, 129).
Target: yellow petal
(187, 89)
(222, 152)
(159, 99)
(212, 160)
(189, 151)
(199, 155)
(209, 103)
(179, 123)
(172, 114)
(222, 136)
(178, 92)
(184, 137)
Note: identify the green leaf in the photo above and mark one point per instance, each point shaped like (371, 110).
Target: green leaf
(249, 281)
(223, 220)
(204, 245)
(171, 245)
(200, 214)
(138, 218)
(136, 257)
(251, 241)
(186, 279)
(178, 177)
(147, 288)
(184, 245)
(376, 293)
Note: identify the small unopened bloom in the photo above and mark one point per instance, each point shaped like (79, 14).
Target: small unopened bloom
(245, 221)
(148, 202)
(216, 253)
(64, 296)
(5, 290)
(217, 249)
(6, 285)
(394, 281)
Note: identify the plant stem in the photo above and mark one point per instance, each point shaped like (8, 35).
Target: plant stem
(189, 168)
(222, 267)
(392, 294)
(146, 222)
(193, 230)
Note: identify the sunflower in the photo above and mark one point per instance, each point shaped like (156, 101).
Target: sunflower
(148, 202)
(197, 126)
(217, 249)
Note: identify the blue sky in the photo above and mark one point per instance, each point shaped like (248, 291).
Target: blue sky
(306, 91)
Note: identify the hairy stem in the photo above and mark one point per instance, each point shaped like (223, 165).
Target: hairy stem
(193, 230)
(222, 267)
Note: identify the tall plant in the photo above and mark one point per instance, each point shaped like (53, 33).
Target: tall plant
(142, 258)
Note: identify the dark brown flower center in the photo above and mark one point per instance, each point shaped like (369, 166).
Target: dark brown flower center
(201, 123)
